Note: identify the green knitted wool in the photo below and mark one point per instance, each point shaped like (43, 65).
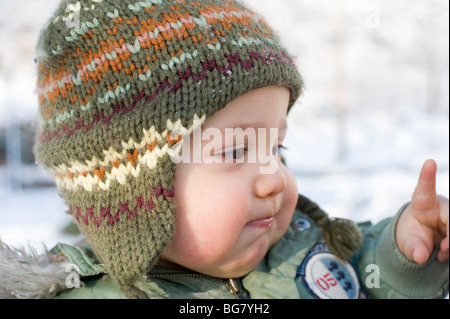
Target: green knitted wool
(114, 79)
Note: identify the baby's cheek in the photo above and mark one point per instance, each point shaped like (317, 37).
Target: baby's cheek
(290, 198)
(202, 255)
(209, 242)
(218, 240)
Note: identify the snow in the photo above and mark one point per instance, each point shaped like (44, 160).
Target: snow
(34, 218)
(376, 105)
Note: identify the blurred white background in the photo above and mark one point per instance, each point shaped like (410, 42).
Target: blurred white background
(376, 106)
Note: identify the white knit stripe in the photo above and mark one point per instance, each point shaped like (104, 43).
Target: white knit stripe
(88, 180)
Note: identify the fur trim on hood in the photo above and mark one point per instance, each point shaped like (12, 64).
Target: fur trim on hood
(30, 275)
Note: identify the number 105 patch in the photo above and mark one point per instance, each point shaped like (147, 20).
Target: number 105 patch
(327, 277)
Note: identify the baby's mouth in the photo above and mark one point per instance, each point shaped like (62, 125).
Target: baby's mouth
(266, 219)
(263, 223)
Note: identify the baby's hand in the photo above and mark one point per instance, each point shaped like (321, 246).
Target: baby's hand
(424, 223)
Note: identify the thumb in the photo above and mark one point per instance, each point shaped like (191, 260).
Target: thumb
(416, 249)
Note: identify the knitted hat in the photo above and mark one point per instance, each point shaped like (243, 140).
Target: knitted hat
(114, 79)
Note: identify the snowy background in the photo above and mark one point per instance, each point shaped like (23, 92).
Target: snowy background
(376, 106)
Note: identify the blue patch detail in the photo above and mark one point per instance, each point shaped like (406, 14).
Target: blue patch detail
(325, 276)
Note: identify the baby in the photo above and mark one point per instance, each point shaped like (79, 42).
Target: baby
(162, 123)
(242, 212)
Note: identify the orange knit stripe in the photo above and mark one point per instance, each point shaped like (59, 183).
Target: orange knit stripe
(159, 44)
(100, 172)
(133, 158)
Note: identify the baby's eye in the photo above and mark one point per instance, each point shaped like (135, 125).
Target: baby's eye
(276, 150)
(235, 154)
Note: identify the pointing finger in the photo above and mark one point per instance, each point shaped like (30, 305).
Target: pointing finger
(424, 196)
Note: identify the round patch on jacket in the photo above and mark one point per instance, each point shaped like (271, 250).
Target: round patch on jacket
(327, 277)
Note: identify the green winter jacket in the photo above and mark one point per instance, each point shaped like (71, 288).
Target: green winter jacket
(298, 266)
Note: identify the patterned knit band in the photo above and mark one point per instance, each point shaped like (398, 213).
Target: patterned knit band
(114, 79)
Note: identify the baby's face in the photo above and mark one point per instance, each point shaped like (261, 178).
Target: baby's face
(232, 207)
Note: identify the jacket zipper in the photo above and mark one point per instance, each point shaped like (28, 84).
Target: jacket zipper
(233, 288)
(230, 284)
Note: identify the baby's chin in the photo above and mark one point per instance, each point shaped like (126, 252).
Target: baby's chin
(233, 273)
(249, 262)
